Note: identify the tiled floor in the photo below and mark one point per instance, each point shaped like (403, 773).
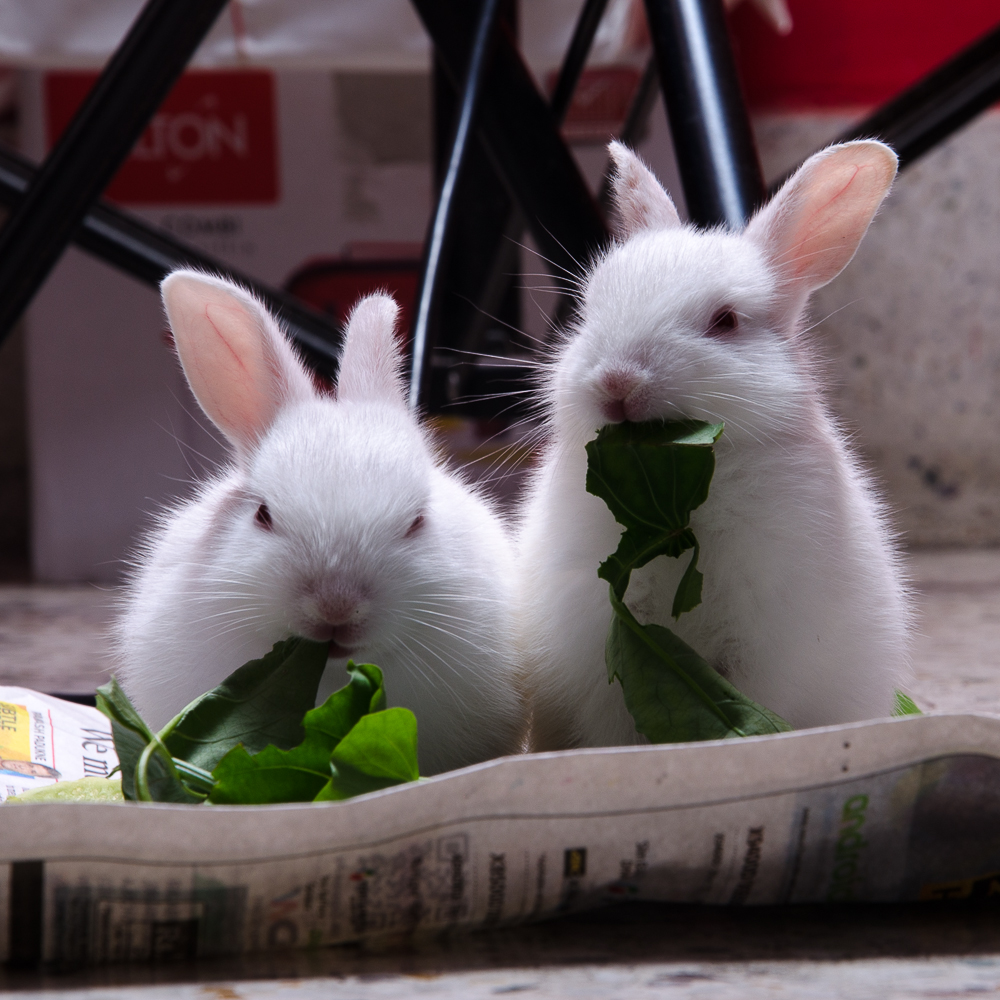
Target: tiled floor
(55, 639)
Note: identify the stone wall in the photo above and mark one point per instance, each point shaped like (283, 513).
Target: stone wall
(912, 330)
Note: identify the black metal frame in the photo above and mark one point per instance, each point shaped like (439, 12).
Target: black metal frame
(149, 254)
(713, 138)
(87, 155)
(57, 203)
(506, 237)
(430, 290)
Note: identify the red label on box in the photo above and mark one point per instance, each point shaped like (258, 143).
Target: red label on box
(213, 140)
(852, 52)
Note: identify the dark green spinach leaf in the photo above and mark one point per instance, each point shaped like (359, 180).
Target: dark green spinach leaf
(302, 772)
(652, 476)
(380, 751)
(148, 773)
(671, 692)
(261, 703)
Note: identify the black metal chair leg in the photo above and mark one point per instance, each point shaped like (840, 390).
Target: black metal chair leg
(713, 140)
(488, 297)
(517, 129)
(126, 242)
(429, 294)
(505, 262)
(96, 143)
(576, 57)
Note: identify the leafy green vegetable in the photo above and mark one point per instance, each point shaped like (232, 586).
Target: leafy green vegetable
(651, 476)
(261, 703)
(348, 745)
(272, 775)
(148, 772)
(352, 745)
(671, 692)
(905, 705)
(381, 750)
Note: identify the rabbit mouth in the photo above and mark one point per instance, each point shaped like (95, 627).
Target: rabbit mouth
(338, 652)
(344, 639)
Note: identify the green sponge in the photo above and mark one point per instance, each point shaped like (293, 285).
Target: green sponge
(81, 790)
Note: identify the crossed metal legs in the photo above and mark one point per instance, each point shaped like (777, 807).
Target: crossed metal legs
(514, 126)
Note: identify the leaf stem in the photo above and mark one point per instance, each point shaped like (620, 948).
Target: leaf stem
(193, 775)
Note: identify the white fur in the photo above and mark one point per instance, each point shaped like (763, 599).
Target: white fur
(804, 606)
(344, 480)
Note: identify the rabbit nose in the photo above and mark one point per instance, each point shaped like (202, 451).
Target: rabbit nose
(622, 392)
(340, 606)
(337, 614)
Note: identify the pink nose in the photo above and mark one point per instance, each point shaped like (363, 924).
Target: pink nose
(336, 613)
(340, 607)
(621, 391)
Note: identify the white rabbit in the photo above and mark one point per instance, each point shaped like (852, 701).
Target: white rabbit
(336, 521)
(804, 607)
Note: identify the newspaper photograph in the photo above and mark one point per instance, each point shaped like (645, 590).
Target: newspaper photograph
(889, 810)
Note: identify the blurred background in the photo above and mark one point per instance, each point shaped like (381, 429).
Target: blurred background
(303, 147)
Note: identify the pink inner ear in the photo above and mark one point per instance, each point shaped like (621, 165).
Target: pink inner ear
(229, 365)
(232, 357)
(812, 228)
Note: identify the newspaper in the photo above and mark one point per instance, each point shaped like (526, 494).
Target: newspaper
(44, 740)
(902, 809)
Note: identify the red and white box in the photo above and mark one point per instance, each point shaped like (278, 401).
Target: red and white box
(254, 167)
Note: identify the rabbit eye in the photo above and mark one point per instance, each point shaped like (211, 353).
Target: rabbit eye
(724, 323)
(418, 523)
(263, 517)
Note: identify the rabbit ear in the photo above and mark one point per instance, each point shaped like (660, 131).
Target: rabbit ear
(371, 362)
(813, 225)
(639, 199)
(239, 365)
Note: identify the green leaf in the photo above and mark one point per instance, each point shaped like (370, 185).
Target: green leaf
(688, 594)
(651, 476)
(130, 732)
(673, 695)
(261, 703)
(272, 775)
(334, 719)
(905, 705)
(380, 751)
(298, 774)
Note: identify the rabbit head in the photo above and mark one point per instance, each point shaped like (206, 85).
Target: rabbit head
(326, 522)
(681, 323)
